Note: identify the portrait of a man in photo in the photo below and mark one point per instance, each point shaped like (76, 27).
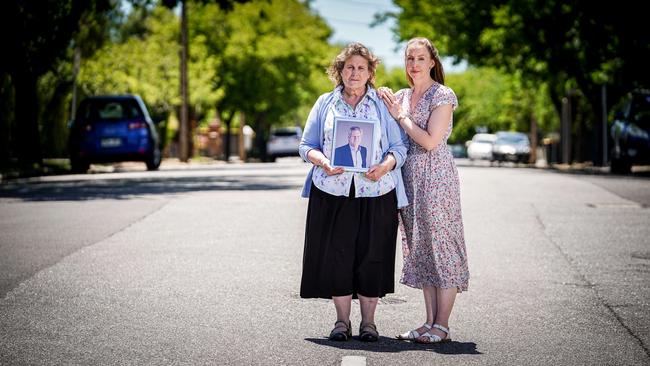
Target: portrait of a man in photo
(352, 154)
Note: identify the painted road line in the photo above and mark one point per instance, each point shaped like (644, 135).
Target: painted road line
(353, 361)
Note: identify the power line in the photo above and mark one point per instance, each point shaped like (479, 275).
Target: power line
(366, 3)
(348, 21)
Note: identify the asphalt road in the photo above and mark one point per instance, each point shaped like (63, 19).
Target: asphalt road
(201, 265)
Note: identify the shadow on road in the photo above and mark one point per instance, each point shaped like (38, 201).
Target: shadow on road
(391, 345)
(80, 190)
(642, 172)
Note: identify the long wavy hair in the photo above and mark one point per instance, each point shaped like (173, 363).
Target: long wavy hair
(437, 73)
(353, 49)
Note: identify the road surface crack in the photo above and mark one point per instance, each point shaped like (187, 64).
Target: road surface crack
(588, 283)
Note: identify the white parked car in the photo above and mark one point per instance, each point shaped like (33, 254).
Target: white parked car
(511, 146)
(283, 141)
(480, 147)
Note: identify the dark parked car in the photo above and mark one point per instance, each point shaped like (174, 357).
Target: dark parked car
(511, 146)
(630, 133)
(113, 128)
(458, 151)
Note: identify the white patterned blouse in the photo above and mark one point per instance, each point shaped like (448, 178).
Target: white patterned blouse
(340, 184)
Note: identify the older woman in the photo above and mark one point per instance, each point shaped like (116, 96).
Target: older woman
(351, 227)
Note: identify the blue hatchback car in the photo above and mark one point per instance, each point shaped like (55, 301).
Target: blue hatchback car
(113, 128)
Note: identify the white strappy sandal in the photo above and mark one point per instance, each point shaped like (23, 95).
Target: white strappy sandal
(413, 334)
(433, 338)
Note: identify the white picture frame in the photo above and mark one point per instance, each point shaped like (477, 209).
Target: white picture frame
(342, 155)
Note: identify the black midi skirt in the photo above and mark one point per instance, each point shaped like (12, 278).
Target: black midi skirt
(350, 245)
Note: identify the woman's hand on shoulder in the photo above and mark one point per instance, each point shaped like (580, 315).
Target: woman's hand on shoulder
(390, 100)
(386, 94)
(382, 90)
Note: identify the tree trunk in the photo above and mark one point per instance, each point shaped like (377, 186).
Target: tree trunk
(598, 110)
(261, 135)
(28, 139)
(184, 131)
(53, 125)
(533, 139)
(226, 143)
(7, 118)
(565, 130)
(603, 128)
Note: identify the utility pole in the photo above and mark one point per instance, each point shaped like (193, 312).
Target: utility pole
(565, 132)
(604, 124)
(534, 142)
(184, 120)
(75, 72)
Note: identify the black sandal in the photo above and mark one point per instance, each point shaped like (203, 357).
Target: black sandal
(342, 331)
(368, 332)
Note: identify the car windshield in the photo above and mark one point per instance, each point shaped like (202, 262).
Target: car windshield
(512, 139)
(284, 133)
(109, 109)
(484, 139)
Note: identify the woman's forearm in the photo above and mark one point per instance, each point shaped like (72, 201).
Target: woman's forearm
(389, 161)
(437, 127)
(316, 157)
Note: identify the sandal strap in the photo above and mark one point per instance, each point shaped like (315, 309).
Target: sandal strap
(341, 327)
(431, 338)
(368, 328)
(412, 334)
(440, 327)
(347, 324)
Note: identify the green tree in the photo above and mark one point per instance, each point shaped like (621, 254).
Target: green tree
(273, 49)
(185, 131)
(490, 99)
(36, 35)
(559, 43)
(394, 78)
(55, 88)
(496, 101)
(148, 65)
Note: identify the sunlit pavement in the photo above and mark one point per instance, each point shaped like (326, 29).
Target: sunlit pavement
(200, 264)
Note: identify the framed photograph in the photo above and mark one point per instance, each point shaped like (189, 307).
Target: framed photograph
(354, 143)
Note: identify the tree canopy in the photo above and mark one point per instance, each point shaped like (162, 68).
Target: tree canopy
(35, 36)
(273, 48)
(265, 60)
(572, 46)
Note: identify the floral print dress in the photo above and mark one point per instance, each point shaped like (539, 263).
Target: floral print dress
(431, 225)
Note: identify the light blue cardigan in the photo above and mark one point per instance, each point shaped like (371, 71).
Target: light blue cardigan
(393, 140)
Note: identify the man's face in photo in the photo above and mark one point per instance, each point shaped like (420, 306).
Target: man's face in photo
(354, 139)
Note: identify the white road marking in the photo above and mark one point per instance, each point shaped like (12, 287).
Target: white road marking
(353, 361)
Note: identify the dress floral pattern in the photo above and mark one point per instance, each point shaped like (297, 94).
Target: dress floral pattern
(431, 225)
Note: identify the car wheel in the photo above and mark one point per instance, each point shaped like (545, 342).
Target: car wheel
(620, 166)
(153, 162)
(79, 166)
